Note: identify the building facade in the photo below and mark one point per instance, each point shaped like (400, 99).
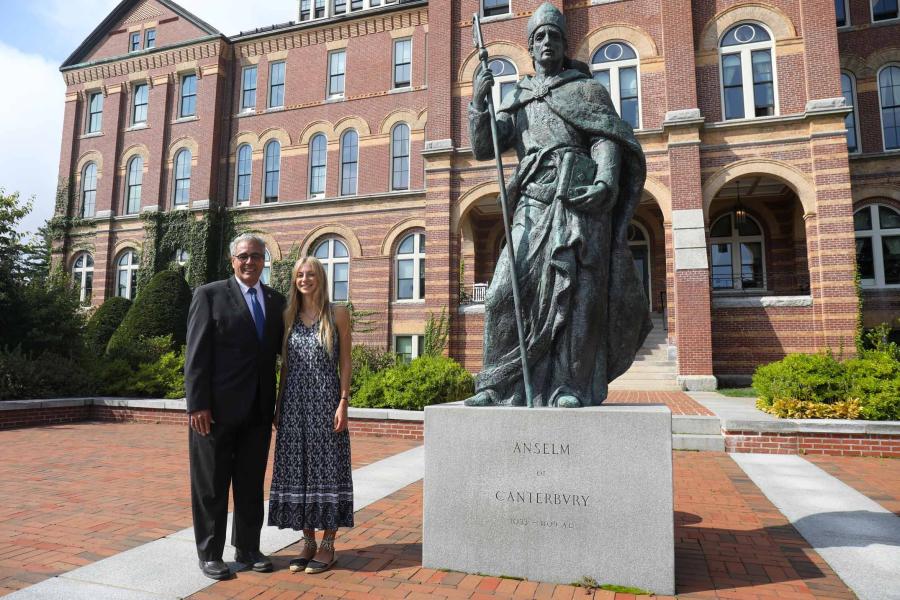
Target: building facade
(771, 129)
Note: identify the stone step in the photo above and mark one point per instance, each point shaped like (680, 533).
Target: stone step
(703, 443)
(649, 360)
(641, 369)
(696, 425)
(646, 376)
(645, 386)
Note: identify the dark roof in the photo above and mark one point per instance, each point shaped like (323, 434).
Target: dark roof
(117, 14)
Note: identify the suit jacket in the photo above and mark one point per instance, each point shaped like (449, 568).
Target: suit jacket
(226, 365)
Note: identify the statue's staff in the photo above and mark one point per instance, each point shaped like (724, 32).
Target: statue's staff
(483, 56)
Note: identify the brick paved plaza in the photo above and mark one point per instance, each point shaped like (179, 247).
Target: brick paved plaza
(74, 494)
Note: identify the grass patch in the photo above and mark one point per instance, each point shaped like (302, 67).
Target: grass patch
(591, 584)
(744, 392)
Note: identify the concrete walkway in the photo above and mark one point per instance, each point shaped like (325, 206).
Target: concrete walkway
(166, 569)
(856, 536)
(731, 409)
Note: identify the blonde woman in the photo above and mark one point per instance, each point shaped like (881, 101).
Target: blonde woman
(312, 486)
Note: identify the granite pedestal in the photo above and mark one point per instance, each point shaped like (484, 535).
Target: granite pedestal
(551, 494)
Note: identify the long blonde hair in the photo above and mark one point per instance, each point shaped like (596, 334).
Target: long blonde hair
(321, 302)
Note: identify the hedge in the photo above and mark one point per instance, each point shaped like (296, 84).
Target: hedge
(414, 385)
(104, 322)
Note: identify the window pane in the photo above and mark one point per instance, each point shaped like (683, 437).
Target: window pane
(349, 158)
(134, 42)
(888, 218)
(884, 9)
(182, 177)
(341, 272)
(304, 10)
(850, 120)
(322, 250)
(140, 104)
(402, 63)
(248, 88)
(862, 219)
(495, 7)
(188, 96)
(95, 112)
(150, 39)
(763, 88)
(613, 52)
(407, 246)
(272, 171)
(749, 227)
(840, 13)
(403, 347)
(421, 278)
(889, 92)
(602, 77)
(244, 168)
(336, 65)
(340, 250)
(864, 260)
(721, 266)
(317, 165)
(276, 84)
(746, 33)
(400, 157)
(890, 251)
(721, 228)
(135, 179)
(751, 265)
(734, 89)
(506, 87)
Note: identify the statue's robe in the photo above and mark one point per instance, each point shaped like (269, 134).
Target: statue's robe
(585, 310)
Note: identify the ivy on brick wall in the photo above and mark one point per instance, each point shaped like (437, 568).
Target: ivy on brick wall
(204, 236)
(64, 214)
(281, 271)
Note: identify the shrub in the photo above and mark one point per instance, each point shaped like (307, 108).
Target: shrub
(160, 309)
(163, 378)
(807, 377)
(874, 378)
(47, 375)
(425, 381)
(366, 362)
(803, 409)
(104, 322)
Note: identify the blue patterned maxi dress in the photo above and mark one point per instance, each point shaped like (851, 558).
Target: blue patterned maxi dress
(312, 485)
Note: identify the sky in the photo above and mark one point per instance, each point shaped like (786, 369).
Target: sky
(36, 36)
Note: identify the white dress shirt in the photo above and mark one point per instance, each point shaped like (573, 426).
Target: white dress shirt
(260, 297)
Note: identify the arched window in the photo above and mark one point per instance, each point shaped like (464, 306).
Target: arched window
(505, 78)
(889, 96)
(411, 267)
(748, 73)
(318, 155)
(83, 276)
(266, 274)
(400, 157)
(639, 242)
(244, 174)
(878, 245)
(89, 190)
(615, 65)
(272, 171)
(349, 162)
(182, 191)
(334, 256)
(848, 89)
(126, 274)
(133, 181)
(736, 249)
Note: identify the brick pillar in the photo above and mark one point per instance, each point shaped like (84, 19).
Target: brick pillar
(693, 327)
(107, 145)
(832, 278)
(822, 59)
(677, 37)
(153, 192)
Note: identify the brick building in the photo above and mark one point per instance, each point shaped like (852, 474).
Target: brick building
(344, 134)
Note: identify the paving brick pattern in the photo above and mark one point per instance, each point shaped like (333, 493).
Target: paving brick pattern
(678, 402)
(879, 479)
(731, 542)
(74, 494)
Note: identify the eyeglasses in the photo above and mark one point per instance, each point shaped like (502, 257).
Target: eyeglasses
(248, 257)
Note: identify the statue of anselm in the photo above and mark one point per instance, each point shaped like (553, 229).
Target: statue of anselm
(580, 175)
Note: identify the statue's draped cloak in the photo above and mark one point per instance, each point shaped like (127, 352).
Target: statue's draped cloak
(585, 309)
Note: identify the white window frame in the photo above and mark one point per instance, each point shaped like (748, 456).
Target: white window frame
(341, 190)
(237, 176)
(417, 256)
(394, 63)
(408, 155)
(309, 167)
(613, 68)
(80, 275)
(846, 15)
(134, 45)
(266, 275)
(130, 270)
(147, 41)
(89, 120)
(854, 104)
(735, 240)
(331, 260)
(86, 214)
(331, 55)
(182, 96)
(746, 52)
(175, 178)
(872, 14)
(416, 347)
(251, 108)
(266, 170)
(881, 107)
(645, 243)
(283, 84)
(498, 15)
(876, 234)
(129, 183)
(134, 104)
(496, 96)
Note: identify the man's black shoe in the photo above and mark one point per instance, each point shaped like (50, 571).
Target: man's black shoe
(254, 559)
(215, 569)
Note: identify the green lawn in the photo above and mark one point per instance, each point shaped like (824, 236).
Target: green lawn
(746, 392)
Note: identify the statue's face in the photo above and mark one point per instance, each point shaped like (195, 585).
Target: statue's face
(548, 48)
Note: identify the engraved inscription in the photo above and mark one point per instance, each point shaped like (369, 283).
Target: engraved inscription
(528, 497)
(541, 448)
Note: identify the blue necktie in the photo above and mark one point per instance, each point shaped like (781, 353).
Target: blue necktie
(258, 317)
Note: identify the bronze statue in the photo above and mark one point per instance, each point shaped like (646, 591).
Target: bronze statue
(580, 176)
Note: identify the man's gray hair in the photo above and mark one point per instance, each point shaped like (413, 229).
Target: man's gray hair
(246, 237)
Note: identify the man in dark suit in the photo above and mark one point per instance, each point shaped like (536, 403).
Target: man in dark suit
(235, 330)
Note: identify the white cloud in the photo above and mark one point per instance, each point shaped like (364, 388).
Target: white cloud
(31, 115)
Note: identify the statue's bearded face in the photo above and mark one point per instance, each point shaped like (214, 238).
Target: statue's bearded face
(548, 47)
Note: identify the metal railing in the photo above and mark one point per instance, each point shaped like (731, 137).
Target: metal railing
(772, 283)
(473, 294)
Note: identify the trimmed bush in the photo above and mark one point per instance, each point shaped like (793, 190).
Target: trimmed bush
(807, 377)
(47, 375)
(366, 362)
(425, 381)
(160, 309)
(104, 322)
(874, 379)
(163, 378)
